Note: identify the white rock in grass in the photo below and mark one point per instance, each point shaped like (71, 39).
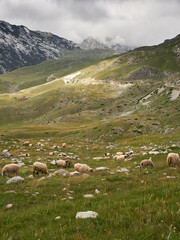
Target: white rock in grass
(10, 191)
(16, 179)
(9, 205)
(122, 170)
(88, 196)
(102, 168)
(54, 162)
(170, 177)
(57, 218)
(97, 191)
(88, 214)
(76, 173)
(31, 177)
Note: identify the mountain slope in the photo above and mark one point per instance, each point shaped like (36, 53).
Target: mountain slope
(49, 70)
(20, 46)
(137, 93)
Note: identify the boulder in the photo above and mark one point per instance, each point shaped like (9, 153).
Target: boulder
(102, 168)
(88, 214)
(16, 179)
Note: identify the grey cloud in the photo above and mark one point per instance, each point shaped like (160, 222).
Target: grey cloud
(135, 22)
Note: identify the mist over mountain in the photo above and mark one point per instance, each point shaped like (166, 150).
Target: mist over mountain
(108, 43)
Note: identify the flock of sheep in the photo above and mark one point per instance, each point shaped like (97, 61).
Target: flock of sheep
(172, 160)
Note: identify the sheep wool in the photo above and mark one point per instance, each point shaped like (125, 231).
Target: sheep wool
(63, 163)
(40, 167)
(120, 157)
(82, 168)
(146, 163)
(173, 159)
(10, 168)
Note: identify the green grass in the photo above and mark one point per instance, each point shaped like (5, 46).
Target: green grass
(139, 205)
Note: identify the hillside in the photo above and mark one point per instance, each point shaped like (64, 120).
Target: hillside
(127, 103)
(50, 70)
(20, 46)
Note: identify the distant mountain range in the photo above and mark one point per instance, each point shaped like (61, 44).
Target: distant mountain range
(92, 43)
(21, 47)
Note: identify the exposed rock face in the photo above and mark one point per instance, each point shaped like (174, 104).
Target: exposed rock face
(92, 43)
(20, 46)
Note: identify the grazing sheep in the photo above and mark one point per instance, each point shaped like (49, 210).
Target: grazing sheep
(119, 153)
(26, 143)
(51, 154)
(146, 163)
(107, 155)
(82, 168)
(40, 167)
(39, 144)
(10, 168)
(120, 157)
(64, 145)
(63, 163)
(173, 159)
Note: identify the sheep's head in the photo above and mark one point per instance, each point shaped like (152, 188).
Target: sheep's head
(67, 163)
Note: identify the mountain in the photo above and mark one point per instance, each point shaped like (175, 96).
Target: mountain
(125, 90)
(21, 47)
(92, 43)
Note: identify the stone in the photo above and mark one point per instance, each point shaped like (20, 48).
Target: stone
(9, 205)
(102, 168)
(58, 218)
(122, 170)
(88, 196)
(88, 214)
(61, 172)
(54, 162)
(76, 173)
(170, 177)
(97, 191)
(16, 179)
(5, 155)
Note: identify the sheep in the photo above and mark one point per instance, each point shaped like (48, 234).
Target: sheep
(63, 163)
(26, 143)
(82, 168)
(40, 167)
(173, 159)
(64, 145)
(119, 153)
(120, 157)
(146, 163)
(107, 155)
(10, 168)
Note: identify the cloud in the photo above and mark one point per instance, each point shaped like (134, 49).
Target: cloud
(135, 22)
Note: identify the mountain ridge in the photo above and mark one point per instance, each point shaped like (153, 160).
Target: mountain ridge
(20, 46)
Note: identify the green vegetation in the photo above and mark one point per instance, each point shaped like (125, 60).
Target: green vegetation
(122, 103)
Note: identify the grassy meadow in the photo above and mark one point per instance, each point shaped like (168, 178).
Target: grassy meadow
(122, 103)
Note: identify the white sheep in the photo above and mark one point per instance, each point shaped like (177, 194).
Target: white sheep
(119, 153)
(26, 143)
(64, 145)
(82, 168)
(63, 163)
(40, 167)
(120, 157)
(173, 159)
(146, 163)
(10, 168)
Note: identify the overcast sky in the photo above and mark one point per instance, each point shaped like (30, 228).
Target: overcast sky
(133, 22)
